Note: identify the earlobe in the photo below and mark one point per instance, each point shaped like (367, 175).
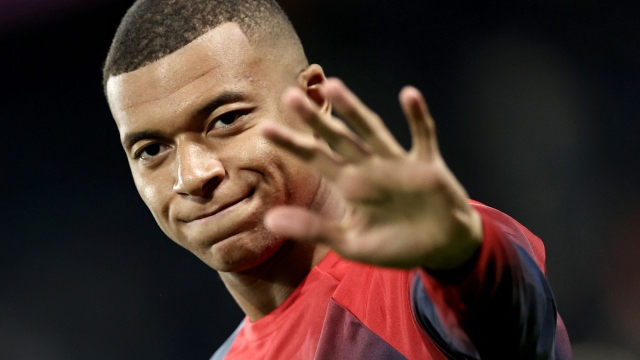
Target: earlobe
(311, 81)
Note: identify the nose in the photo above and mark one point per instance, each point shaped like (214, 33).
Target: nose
(199, 172)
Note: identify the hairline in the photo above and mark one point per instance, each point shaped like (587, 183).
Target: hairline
(252, 39)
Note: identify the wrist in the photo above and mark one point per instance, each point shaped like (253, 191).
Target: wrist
(461, 246)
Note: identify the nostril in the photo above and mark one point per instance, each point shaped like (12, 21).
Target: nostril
(211, 185)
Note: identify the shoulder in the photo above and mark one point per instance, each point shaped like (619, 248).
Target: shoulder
(514, 231)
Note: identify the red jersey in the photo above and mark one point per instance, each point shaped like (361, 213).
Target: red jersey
(498, 305)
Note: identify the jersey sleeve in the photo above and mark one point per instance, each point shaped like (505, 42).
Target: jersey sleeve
(496, 306)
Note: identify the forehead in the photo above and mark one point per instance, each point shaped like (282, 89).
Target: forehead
(212, 60)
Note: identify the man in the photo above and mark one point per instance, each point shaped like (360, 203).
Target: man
(233, 148)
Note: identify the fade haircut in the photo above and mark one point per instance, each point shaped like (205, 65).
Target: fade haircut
(153, 29)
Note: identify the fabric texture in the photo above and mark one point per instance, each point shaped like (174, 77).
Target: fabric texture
(498, 305)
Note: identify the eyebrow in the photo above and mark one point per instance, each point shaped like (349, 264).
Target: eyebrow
(133, 138)
(222, 99)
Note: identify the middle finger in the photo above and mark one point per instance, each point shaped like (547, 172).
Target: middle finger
(341, 140)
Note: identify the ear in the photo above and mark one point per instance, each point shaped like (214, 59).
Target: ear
(311, 80)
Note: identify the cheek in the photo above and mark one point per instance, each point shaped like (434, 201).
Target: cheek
(259, 149)
(147, 193)
(298, 181)
(155, 199)
(286, 179)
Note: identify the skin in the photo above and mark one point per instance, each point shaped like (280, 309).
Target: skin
(263, 183)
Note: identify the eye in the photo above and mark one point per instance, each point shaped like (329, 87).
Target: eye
(150, 151)
(227, 119)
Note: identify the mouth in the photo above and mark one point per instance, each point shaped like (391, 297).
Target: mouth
(222, 208)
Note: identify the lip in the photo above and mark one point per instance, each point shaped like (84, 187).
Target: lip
(223, 207)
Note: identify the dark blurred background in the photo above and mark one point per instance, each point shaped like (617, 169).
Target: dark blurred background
(537, 105)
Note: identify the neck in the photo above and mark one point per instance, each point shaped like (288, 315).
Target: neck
(260, 290)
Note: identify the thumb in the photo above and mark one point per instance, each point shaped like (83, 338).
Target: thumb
(304, 225)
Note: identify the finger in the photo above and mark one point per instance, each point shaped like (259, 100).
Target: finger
(338, 136)
(423, 129)
(301, 224)
(304, 147)
(364, 122)
(374, 182)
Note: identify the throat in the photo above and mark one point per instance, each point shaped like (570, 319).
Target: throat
(260, 290)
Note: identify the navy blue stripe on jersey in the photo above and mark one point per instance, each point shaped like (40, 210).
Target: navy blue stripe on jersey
(514, 306)
(345, 337)
(454, 346)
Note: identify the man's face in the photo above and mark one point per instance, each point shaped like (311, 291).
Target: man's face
(188, 123)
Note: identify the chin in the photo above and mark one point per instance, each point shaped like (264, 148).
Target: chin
(243, 251)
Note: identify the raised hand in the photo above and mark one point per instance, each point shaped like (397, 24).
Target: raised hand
(402, 209)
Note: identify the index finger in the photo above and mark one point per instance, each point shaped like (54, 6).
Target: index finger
(366, 123)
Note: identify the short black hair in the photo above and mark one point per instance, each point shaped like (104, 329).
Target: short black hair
(153, 29)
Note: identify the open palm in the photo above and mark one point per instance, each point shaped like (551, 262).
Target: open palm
(402, 209)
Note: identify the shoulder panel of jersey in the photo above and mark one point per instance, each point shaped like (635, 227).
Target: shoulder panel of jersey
(380, 298)
(292, 330)
(519, 234)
